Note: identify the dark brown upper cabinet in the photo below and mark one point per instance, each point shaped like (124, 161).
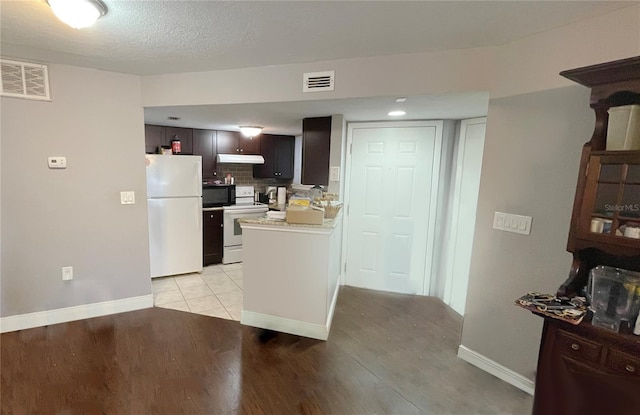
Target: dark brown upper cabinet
(204, 144)
(277, 151)
(154, 137)
(185, 135)
(233, 142)
(316, 144)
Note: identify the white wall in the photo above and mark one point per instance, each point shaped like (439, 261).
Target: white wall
(530, 167)
(532, 149)
(336, 151)
(533, 64)
(448, 72)
(73, 217)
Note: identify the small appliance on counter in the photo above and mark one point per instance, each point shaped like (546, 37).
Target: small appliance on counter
(316, 191)
(614, 295)
(216, 194)
(272, 193)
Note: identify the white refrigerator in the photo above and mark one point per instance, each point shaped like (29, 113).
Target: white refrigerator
(174, 200)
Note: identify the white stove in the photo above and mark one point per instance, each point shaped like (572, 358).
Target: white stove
(245, 207)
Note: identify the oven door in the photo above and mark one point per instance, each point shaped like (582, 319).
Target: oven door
(232, 229)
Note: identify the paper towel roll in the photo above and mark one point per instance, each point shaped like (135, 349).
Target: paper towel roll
(282, 195)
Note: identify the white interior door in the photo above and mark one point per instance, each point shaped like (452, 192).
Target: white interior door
(463, 215)
(393, 180)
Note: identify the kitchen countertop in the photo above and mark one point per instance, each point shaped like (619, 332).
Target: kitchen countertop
(328, 224)
(212, 209)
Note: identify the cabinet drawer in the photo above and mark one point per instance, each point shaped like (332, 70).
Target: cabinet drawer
(578, 348)
(623, 363)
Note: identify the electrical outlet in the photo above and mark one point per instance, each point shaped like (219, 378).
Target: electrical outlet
(512, 223)
(67, 273)
(127, 198)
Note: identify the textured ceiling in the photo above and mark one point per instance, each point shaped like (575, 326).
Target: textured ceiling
(155, 37)
(149, 37)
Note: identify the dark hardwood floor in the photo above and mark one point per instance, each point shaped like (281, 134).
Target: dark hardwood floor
(386, 354)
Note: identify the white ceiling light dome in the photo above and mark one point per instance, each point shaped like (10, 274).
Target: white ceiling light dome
(250, 130)
(78, 13)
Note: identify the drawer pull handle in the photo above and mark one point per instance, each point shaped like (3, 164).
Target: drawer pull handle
(575, 346)
(630, 368)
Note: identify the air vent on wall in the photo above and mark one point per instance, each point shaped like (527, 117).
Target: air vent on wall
(24, 80)
(318, 81)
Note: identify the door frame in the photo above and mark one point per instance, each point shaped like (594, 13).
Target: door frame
(451, 253)
(433, 203)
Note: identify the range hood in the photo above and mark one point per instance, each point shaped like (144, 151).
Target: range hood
(240, 158)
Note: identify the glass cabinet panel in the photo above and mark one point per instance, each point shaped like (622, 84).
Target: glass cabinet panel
(614, 205)
(606, 199)
(610, 173)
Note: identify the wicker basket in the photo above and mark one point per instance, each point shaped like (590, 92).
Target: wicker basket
(331, 211)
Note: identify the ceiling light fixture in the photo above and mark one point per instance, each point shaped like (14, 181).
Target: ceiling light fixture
(396, 113)
(250, 130)
(78, 13)
(401, 99)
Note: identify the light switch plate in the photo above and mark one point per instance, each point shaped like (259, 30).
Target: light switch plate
(57, 162)
(334, 174)
(512, 223)
(67, 273)
(127, 198)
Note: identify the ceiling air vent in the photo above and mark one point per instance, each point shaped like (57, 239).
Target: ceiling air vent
(24, 80)
(318, 81)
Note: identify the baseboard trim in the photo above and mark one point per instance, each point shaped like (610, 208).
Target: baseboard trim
(332, 308)
(79, 312)
(496, 369)
(284, 325)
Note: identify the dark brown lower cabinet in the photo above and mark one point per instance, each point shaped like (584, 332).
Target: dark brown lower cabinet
(586, 370)
(211, 237)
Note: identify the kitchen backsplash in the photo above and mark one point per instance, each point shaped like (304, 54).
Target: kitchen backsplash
(243, 174)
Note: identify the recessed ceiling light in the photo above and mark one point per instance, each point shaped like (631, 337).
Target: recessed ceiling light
(396, 113)
(401, 99)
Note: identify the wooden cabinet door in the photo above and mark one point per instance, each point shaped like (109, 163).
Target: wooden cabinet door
(227, 142)
(277, 151)
(233, 142)
(211, 237)
(249, 145)
(268, 150)
(185, 135)
(316, 143)
(284, 157)
(204, 144)
(154, 137)
(611, 195)
(579, 371)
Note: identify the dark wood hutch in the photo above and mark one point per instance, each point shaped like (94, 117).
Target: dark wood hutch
(585, 369)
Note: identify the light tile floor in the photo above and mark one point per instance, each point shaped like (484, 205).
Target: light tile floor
(217, 292)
